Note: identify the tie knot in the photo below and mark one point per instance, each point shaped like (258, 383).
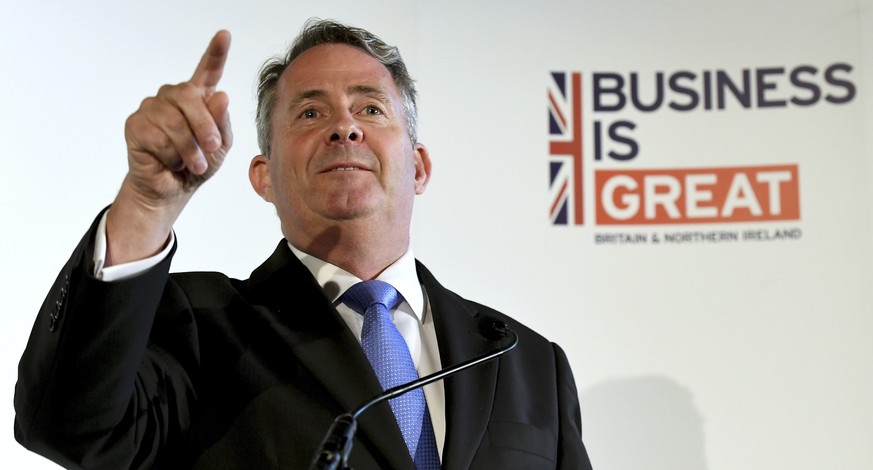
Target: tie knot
(365, 294)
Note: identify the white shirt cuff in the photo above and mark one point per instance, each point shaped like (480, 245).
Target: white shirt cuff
(126, 270)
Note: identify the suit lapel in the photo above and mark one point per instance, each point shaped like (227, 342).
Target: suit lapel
(469, 394)
(322, 342)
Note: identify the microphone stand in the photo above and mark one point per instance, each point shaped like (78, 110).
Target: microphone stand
(337, 444)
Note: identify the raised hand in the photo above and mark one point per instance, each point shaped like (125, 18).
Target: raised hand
(176, 140)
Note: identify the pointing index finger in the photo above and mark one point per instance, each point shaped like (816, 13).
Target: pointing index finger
(211, 65)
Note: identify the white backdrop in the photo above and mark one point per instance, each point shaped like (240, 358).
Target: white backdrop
(700, 355)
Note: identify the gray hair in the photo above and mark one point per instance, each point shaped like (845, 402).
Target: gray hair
(317, 32)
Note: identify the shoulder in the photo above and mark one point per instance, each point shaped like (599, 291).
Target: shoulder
(205, 287)
(446, 302)
(280, 272)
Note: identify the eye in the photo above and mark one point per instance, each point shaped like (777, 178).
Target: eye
(309, 114)
(372, 111)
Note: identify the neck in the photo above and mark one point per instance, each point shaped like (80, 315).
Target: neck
(364, 253)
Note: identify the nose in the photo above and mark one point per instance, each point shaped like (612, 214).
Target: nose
(338, 136)
(345, 130)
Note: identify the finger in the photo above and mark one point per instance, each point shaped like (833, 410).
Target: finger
(211, 65)
(183, 122)
(190, 102)
(172, 141)
(148, 144)
(186, 120)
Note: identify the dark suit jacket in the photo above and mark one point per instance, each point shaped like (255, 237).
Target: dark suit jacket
(197, 370)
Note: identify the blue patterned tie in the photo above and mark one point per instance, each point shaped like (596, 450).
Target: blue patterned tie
(389, 355)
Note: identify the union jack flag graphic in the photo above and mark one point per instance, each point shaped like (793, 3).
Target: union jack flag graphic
(565, 148)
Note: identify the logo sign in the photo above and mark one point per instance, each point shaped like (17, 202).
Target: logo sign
(633, 195)
(565, 148)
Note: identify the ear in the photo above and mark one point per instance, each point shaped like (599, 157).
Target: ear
(422, 168)
(259, 176)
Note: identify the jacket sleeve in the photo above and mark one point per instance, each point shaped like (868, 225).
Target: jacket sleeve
(571, 450)
(91, 391)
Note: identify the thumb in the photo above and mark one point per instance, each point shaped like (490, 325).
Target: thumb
(218, 107)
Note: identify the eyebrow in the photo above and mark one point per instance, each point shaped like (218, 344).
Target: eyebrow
(305, 95)
(367, 90)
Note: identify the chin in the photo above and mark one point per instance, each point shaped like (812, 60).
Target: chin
(347, 211)
(350, 205)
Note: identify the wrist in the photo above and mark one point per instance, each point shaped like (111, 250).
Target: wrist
(137, 228)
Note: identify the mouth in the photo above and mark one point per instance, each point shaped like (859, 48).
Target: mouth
(340, 167)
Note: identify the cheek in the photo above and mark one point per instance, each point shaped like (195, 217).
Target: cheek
(296, 156)
(281, 182)
(409, 169)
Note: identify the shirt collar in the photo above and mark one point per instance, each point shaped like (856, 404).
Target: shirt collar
(334, 281)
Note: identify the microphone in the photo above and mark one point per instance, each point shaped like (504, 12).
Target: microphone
(333, 454)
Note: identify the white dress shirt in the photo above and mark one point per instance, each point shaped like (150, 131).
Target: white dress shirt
(412, 316)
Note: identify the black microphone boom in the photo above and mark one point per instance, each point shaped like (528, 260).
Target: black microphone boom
(337, 444)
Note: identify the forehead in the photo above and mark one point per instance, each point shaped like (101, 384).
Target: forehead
(334, 66)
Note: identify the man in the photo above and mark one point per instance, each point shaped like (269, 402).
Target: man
(130, 367)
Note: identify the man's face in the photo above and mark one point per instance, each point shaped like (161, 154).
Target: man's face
(340, 147)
